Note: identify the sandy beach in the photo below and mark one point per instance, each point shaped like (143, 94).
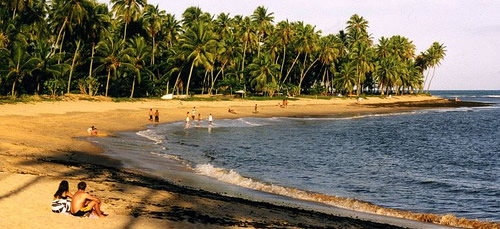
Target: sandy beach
(40, 146)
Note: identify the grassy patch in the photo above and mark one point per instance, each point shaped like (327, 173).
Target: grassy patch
(125, 99)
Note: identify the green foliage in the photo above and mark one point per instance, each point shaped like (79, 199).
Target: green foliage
(139, 50)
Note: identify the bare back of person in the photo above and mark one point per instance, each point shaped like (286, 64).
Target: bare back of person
(83, 203)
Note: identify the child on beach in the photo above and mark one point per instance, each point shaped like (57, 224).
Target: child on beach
(210, 119)
(199, 119)
(187, 117)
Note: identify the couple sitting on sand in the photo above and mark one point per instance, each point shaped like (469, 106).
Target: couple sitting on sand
(79, 204)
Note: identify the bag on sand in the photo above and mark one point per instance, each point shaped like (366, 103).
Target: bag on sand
(61, 205)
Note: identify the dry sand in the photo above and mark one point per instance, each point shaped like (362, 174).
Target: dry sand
(39, 148)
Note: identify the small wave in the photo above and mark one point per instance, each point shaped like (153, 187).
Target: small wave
(151, 135)
(172, 157)
(233, 177)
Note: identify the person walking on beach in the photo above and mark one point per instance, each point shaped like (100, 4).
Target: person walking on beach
(210, 119)
(187, 117)
(150, 114)
(255, 109)
(199, 119)
(83, 204)
(157, 116)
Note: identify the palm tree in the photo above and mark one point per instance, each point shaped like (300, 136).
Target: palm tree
(73, 62)
(263, 71)
(19, 64)
(436, 53)
(345, 79)
(228, 50)
(328, 54)
(248, 36)
(128, 10)
(19, 5)
(191, 16)
(71, 12)
(110, 54)
(98, 23)
(285, 33)
(263, 21)
(170, 30)
(199, 44)
(135, 60)
(153, 17)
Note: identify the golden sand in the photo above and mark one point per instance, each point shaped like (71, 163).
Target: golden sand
(39, 148)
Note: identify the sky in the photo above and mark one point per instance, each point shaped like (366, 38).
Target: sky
(470, 30)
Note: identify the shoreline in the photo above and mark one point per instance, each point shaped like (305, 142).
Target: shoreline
(78, 158)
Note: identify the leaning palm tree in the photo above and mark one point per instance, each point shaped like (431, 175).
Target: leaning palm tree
(285, 33)
(436, 53)
(199, 45)
(135, 60)
(170, 30)
(71, 13)
(128, 10)
(247, 35)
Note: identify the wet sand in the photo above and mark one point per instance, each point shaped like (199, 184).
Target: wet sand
(41, 144)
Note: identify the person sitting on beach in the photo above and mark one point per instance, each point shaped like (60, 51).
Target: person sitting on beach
(62, 198)
(84, 204)
(231, 111)
(157, 116)
(150, 114)
(92, 131)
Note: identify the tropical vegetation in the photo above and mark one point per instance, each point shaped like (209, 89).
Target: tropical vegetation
(134, 49)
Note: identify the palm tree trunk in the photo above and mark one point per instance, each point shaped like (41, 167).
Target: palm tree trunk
(153, 52)
(60, 49)
(91, 92)
(430, 81)
(125, 32)
(290, 69)
(133, 87)
(13, 92)
(305, 73)
(243, 60)
(107, 82)
(177, 80)
(73, 65)
(189, 78)
(14, 13)
(358, 89)
(59, 34)
(283, 62)
(217, 75)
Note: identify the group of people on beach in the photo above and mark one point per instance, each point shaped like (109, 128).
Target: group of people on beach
(193, 117)
(78, 204)
(156, 115)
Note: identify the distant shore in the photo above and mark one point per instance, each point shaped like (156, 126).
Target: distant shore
(39, 146)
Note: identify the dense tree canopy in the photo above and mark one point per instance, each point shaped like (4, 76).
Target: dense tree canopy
(136, 49)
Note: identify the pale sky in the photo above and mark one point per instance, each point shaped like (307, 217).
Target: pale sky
(470, 30)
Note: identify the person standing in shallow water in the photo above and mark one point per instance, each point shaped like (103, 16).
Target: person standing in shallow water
(157, 116)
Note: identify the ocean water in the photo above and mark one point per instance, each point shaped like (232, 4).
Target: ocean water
(430, 161)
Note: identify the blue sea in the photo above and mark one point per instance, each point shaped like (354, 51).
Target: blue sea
(441, 161)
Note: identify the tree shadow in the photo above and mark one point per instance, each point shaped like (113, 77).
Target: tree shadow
(196, 207)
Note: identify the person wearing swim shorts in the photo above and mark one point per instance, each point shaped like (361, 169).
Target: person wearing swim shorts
(83, 204)
(150, 115)
(157, 116)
